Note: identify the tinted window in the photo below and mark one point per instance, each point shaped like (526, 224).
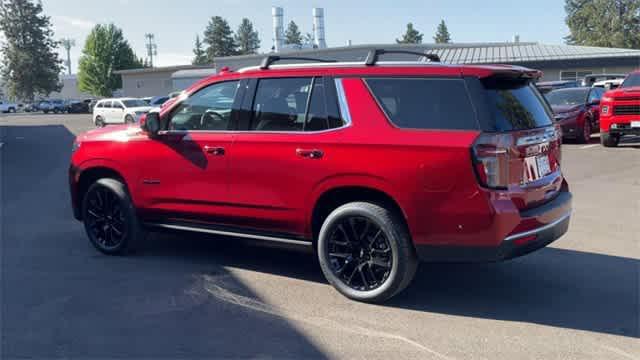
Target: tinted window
(99, 105)
(567, 96)
(208, 109)
(632, 80)
(134, 103)
(106, 104)
(281, 104)
(595, 94)
(425, 103)
(317, 119)
(515, 105)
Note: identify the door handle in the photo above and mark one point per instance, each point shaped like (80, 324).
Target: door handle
(310, 153)
(214, 150)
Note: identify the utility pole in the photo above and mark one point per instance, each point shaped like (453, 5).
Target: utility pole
(152, 48)
(68, 44)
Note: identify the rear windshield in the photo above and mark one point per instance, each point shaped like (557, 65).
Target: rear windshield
(425, 103)
(632, 80)
(515, 105)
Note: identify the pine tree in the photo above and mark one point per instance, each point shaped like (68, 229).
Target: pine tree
(247, 39)
(606, 23)
(411, 36)
(200, 55)
(442, 34)
(292, 35)
(219, 38)
(105, 51)
(29, 64)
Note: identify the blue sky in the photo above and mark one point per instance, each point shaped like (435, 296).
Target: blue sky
(176, 23)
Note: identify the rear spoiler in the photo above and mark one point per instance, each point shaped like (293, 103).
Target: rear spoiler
(506, 72)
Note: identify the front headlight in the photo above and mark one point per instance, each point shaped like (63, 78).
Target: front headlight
(75, 146)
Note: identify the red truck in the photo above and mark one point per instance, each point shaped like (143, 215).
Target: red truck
(375, 166)
(620, 111)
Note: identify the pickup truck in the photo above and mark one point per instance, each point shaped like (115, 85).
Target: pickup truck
(7, 107)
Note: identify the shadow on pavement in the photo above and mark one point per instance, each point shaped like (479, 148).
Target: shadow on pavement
(61, 299)
(554, 287)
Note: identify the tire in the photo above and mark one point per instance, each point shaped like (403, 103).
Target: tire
(391, 242)
(608, 140)
(110, 219)
(129, 119)
(46, 111)
(584, 136)
(12, 110)
(99, 122)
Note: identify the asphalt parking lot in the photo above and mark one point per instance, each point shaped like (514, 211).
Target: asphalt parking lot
(191, 297)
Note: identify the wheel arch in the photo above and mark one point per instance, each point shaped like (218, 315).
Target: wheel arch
(333, 197)
(91, 174)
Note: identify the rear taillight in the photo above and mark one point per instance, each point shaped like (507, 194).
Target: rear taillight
(491, 159)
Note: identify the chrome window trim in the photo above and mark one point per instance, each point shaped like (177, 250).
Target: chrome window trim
(345, 113)
(540, 229)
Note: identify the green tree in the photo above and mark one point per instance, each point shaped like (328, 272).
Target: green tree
(29, 64)
(200, 55)
(292, 35)
(247, 39)
(442, 34)
(105, 51)
(219, 39)
(411, 36)
(606, 23)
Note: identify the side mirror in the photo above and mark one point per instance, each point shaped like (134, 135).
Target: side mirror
(152, 123)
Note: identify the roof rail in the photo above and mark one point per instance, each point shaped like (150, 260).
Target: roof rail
(372, 57)
(266, 62)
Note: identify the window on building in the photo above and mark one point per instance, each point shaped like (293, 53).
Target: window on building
(574, 75)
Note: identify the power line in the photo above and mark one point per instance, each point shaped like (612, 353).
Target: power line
(152, 48)
(68, 43)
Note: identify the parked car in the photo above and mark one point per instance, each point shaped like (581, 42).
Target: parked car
(8, 107)
(609, 84)
(577, 111)
(77, 107)
(31, 107)
(374, 166)
(589, 80)
(55, 106)
(620, 111)
(546, 86)
(119, 111)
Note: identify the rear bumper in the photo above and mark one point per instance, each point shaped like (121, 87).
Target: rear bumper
(514, 245)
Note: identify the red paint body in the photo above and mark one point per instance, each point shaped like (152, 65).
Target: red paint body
(262, 184)
(628, 97)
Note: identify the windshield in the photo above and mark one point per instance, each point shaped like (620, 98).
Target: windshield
(567, 97)
(134, 103)
(632, 80)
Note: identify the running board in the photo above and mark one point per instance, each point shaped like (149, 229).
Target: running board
(276, 239)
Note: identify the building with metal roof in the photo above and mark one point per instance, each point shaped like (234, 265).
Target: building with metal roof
(558, 62)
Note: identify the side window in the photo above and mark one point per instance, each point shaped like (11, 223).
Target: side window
(292, 105)
(208, 109)
(106, 104)
(118, 105)
(280, 104)
(425, 103)
(99, 104)
(596, 94)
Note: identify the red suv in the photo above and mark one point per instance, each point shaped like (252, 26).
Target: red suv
(374, 165)
(620, 111)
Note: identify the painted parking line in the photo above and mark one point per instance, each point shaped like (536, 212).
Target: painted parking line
(589, 146)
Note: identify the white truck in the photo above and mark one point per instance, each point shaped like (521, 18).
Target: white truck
(7, 107)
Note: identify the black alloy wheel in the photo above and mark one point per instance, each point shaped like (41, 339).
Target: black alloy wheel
(105, 219)
(360, 254)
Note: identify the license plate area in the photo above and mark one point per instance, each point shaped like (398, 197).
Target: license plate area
(536, 167)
